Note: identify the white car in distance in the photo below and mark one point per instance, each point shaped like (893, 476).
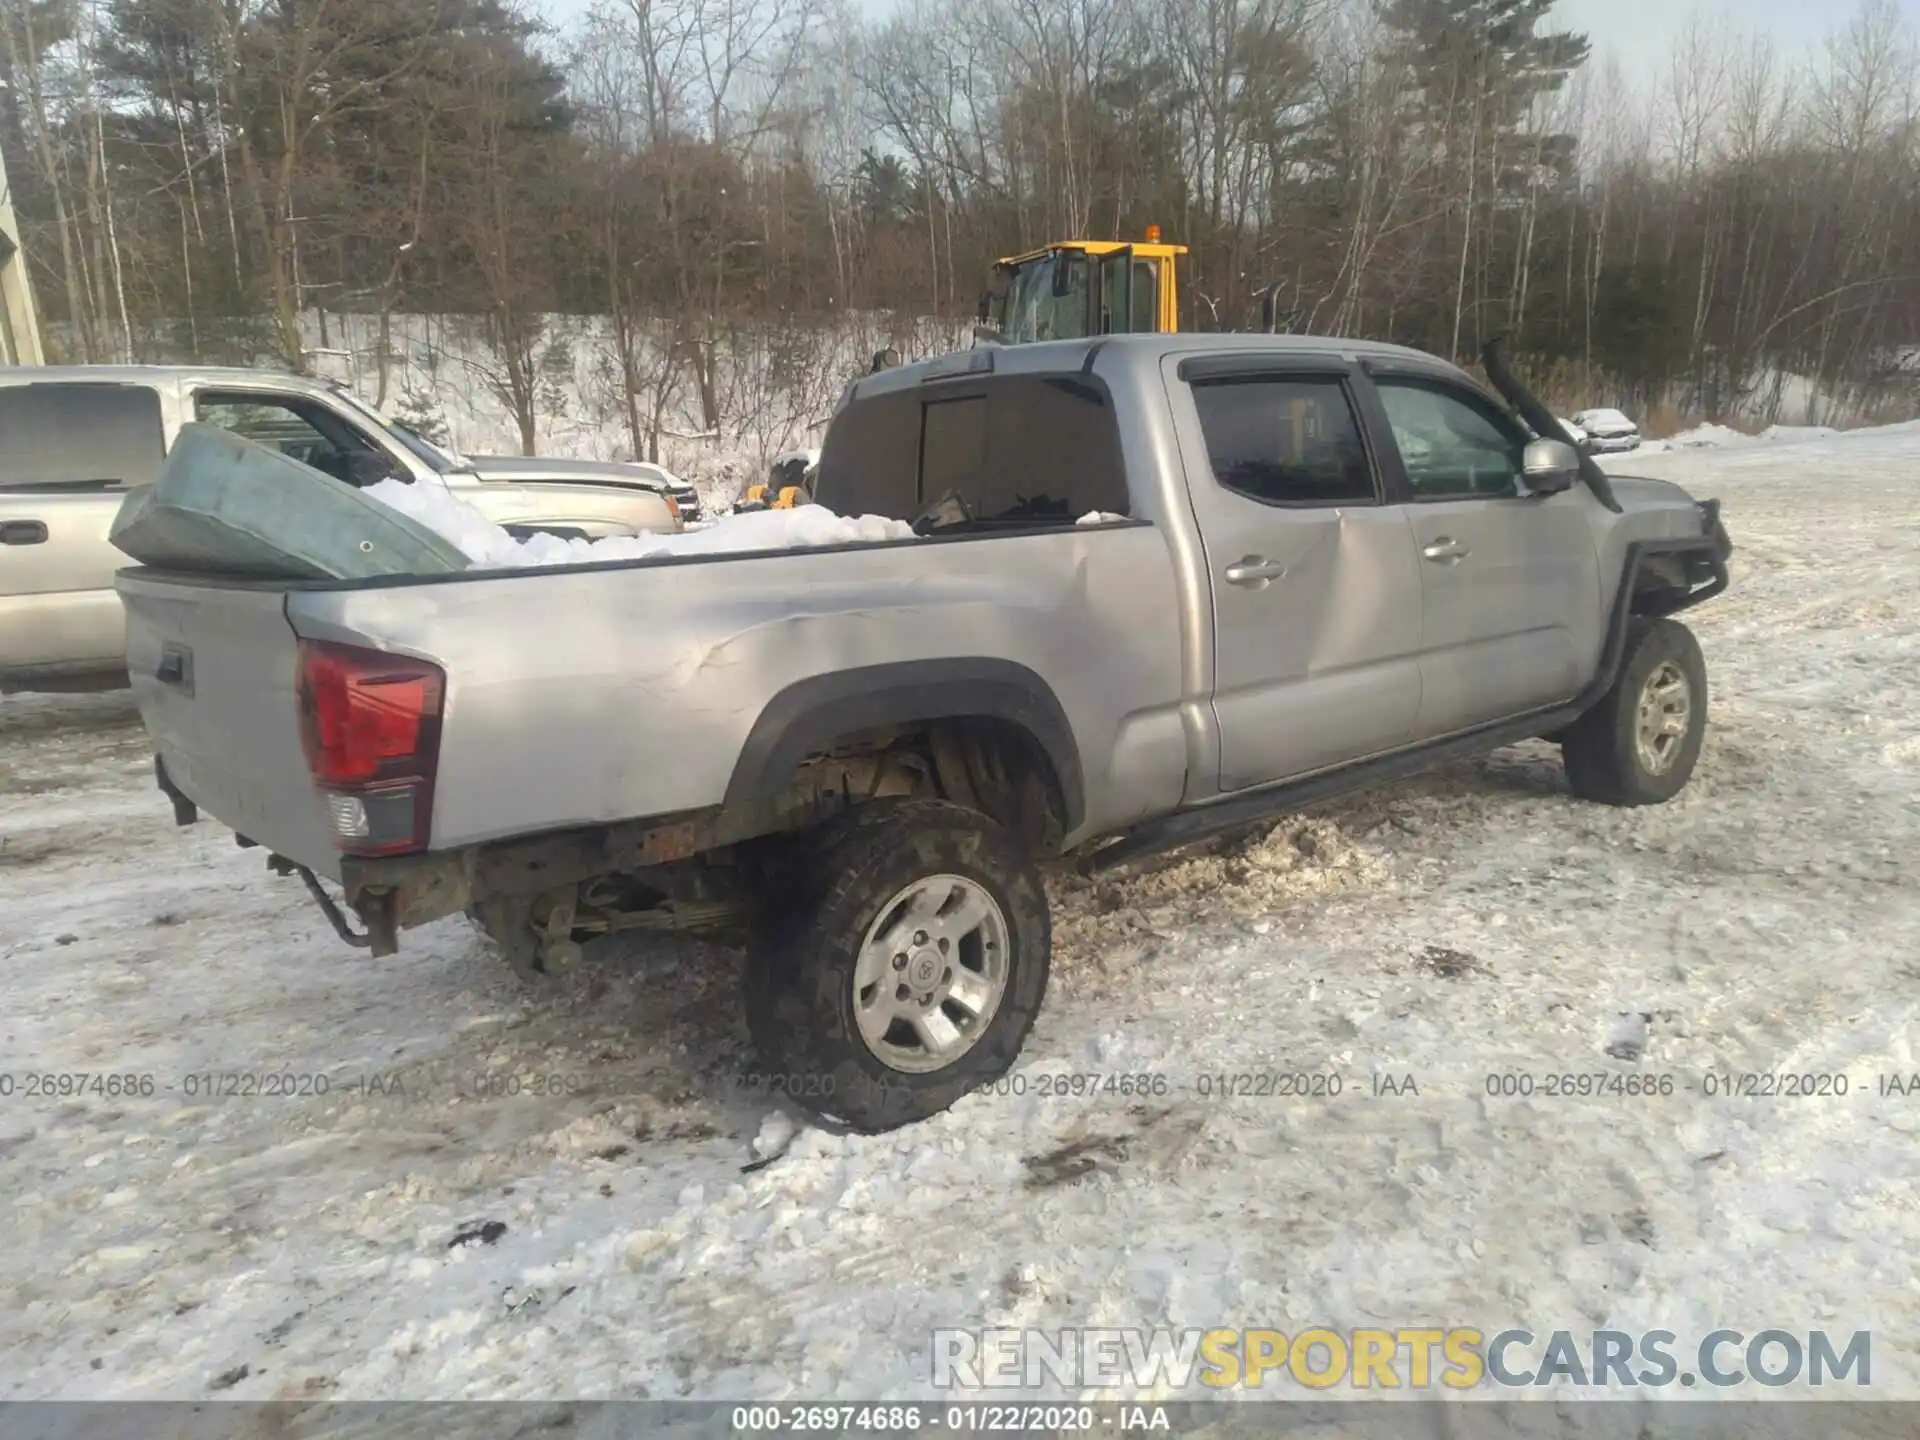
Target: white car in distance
(1607, 431)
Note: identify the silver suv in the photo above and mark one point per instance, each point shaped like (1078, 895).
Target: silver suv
(74, 440)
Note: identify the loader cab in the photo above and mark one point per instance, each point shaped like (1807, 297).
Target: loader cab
(1073, 289)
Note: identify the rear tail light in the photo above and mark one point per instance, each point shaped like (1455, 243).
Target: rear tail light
(370, 723)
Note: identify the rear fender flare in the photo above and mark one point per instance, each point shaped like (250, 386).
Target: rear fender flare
(811, 714)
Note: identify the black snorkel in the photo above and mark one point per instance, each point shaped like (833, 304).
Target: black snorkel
(1543, 420)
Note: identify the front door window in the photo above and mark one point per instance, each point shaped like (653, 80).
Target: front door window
(1452, 448)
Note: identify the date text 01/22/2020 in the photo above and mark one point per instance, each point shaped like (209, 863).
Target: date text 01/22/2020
(194, 1085)
(907, 1419)
(199, 1086)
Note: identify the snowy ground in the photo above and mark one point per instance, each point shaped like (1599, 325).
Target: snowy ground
(1472, 922)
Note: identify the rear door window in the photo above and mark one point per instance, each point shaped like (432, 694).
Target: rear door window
(1284, 439)
(80, 436)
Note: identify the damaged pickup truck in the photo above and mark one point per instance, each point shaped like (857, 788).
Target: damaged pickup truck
(1301, 565)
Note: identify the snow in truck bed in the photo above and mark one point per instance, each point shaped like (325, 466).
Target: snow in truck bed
(489, 546)
(507, 1196)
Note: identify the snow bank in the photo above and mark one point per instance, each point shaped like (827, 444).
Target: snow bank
(1701, 437)
(1778, 434)
(1724, 437)
(490, 547)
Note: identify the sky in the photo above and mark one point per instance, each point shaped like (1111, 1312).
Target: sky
(1640, 33)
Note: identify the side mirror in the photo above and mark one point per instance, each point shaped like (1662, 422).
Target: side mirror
(884, 360)
(983, 312)
(1548, 466)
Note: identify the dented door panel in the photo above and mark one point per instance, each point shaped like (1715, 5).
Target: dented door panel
(1316, 620)
(1322, 665)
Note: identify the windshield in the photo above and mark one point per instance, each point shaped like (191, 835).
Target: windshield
(1033, 312)
(441, 462)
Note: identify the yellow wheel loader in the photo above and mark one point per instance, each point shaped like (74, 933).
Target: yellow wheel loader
(1075, 288)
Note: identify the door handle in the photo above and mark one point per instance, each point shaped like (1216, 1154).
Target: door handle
(1446, 551)
(23, 532)
(1254, 571)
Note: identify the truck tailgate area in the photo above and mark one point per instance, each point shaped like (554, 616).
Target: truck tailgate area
(213, 666)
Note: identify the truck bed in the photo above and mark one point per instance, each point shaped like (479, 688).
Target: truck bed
(599, 694)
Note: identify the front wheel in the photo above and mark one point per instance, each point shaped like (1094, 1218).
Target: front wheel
(1639, 743)
(904, 969)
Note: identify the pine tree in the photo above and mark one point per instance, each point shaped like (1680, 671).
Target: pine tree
(1477, 69)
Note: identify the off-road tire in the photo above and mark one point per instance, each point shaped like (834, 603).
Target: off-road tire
(1601, 750)
(799, 980)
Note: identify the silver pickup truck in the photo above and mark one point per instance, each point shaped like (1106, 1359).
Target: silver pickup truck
(74, 440)
(1163, 587)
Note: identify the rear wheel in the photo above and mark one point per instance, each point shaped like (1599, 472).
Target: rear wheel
(903, 968)
(1639, 744)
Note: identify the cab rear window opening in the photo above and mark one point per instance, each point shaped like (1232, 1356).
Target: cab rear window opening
(1015, 451)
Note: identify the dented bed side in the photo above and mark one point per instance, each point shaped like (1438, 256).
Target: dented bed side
(581, 697)
(592, 697)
